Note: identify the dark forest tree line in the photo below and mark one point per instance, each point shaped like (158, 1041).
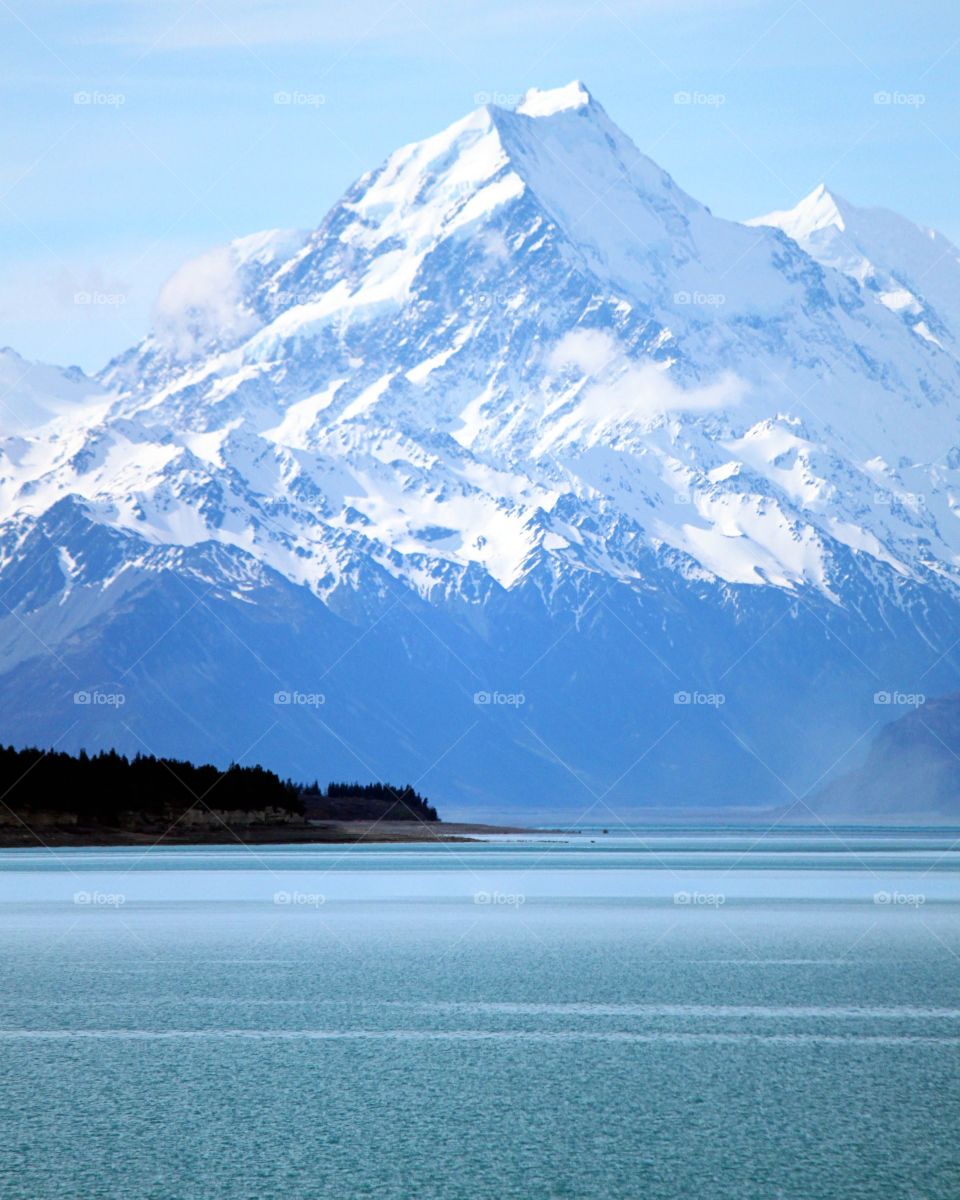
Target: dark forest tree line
(102, 787)
(395, 798)
(381, 799)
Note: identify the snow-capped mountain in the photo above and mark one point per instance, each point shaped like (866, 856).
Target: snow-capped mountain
(522, 475)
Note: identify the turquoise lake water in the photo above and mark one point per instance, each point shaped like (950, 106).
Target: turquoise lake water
(715, 1015)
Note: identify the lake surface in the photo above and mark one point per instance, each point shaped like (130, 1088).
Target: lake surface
(716, 1014)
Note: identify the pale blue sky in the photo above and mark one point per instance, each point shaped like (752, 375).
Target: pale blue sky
(107, 198)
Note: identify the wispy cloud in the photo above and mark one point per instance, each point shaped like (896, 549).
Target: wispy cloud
(618, 389)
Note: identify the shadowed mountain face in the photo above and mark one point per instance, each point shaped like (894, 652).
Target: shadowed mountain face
(913, 767)
(521, 477)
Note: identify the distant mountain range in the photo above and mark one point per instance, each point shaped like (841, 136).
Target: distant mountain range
(913, 767)
(522, 476)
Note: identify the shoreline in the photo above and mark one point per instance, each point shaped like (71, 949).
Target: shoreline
(315, 833)
(372, 831)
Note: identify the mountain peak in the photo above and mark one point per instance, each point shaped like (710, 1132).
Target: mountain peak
(547, 102)
(820, 209)
(912, 270)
